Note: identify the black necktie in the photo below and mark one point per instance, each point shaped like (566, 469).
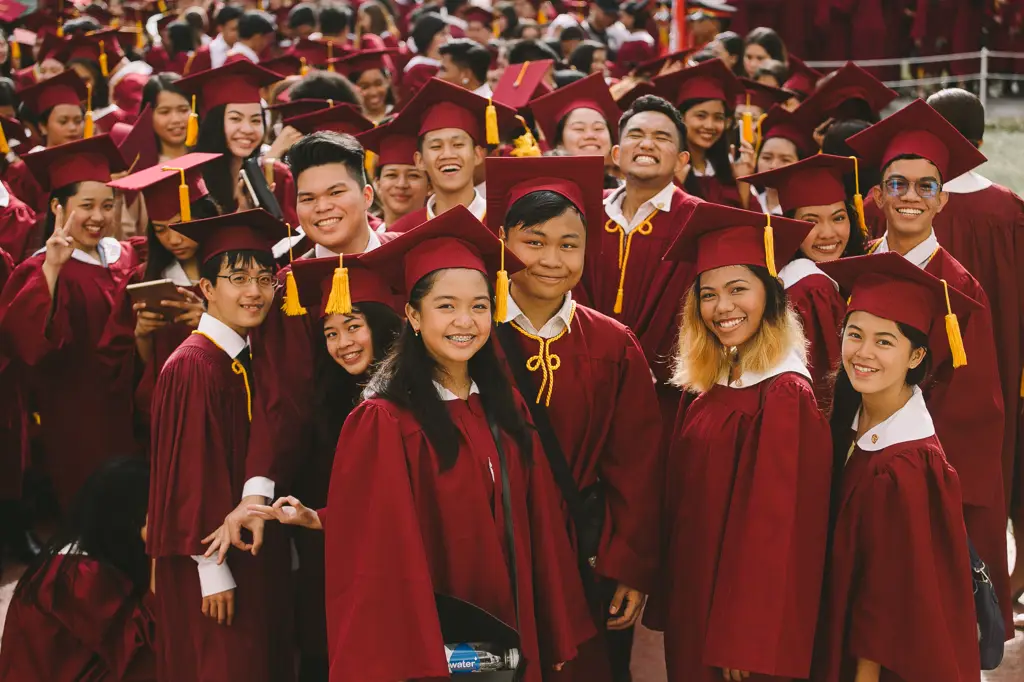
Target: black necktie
(245, 359)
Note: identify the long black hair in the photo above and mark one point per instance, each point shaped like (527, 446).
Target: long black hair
(717, 155)
(182, 37)
(159, 257)
(406, 378)
(104, 523)
(336, 391)
(855, 245)
(100, 87)
(61, 194)
(217, 173)
(157, 83)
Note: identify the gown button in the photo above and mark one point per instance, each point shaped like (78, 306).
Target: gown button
(874, 438)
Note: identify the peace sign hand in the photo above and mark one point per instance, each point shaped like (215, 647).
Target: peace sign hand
(60, 245)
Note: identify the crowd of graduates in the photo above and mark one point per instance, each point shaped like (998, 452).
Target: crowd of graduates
(315, 317)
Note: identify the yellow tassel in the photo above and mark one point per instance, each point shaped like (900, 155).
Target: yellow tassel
(748, 127)
(617, 309)
(16, 52)
(184, 203)
(60, 28)
(1022, 384)
(491, 121)
(858, 198)
(357, 44)
(542, 18)
(769, 247)
(370, 163)
(89, 123)
(115, 23)
(140, 36)
(340, 300)
(292, 306)
(192, 131)
(268, 169)
(495, 28)
(304, 69)
(330, 56)
(5, 148)
(103, 61)
(525, 144)
(162, 6)
(956, 341)
(501, 290)
(522, 72)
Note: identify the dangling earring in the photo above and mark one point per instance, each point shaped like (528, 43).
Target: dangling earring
(416, 332)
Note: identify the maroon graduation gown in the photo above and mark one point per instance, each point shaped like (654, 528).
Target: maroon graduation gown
(401, 530)
(200, 432)
(88, 624)
(14, 439)
(84, 420)
(23, 185)
(821, 308)
(899, 589)
(747, 495)
(17, 227)
(717, 192)
(604, 411)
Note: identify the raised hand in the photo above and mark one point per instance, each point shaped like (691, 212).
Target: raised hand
(60, 245)
(289, 511)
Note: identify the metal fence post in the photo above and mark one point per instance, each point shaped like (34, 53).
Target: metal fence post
(983, 89)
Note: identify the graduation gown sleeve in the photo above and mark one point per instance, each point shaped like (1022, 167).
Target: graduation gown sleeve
(28, 331)
(285, 193)
(913, 610)
(821, 310)
(17, 227)
(773, 550)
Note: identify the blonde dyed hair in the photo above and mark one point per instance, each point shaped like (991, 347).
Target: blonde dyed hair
(701, 359)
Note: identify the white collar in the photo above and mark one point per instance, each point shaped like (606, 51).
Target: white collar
(323, 252)
(108, 248)
(223, 335)
(639, 36)
(910, 422)
(799, 268)
(709, 170)
(967, 183)
(762, 199)
(176, 274)
(484, 90)
(478, 207)
(552, 328)
(5, 196)
(97, 114)
(246, 51)
(793, 361)
(420, 59)
(919, 255)
(446, 395)
(140, 67)
(661, 201)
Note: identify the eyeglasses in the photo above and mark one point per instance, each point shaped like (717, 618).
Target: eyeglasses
(240, 279)
(898, 186)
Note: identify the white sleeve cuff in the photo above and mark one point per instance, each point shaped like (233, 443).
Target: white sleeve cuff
(259, 485)
(213, 578)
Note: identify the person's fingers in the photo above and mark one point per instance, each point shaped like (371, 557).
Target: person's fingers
(221, 613)
(257, 538)
(745, 674)
(230, 598)
(631, 607)
(222, 552)
(206, 607)
(234, 530)
(616, 604)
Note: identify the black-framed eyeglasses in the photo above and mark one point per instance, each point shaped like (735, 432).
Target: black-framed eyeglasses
(241, 279)
(926, 188)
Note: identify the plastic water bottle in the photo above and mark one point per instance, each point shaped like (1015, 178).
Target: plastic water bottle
(476, 657)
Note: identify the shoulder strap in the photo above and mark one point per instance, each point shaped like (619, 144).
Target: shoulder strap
(552, 448)
(506, 503)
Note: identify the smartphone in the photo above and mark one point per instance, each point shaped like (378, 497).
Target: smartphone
(259, 191)
(151, 293)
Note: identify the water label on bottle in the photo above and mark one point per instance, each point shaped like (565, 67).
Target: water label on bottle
(462, 659)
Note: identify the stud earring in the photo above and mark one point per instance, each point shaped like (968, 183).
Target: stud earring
(465, 81)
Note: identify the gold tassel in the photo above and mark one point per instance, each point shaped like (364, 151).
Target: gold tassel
(89, 124)
(16, 52)
(956, 341)
(340, 300)
(292, 305)
(369, 163)
(501, 290)
(184, 203)
(60, 28)
(162, 6)
(192, 131)
(769, 247)
(495, 28)
(525, 144)
(5, 148)
(103, 61)
(304, 69)
(330, 55)
(748, 125)
(115, 23)
(268, 169)
(140, 36)
(1022, 384)
(522, 72)
(858, 198)
(491, 121)
(542, 17)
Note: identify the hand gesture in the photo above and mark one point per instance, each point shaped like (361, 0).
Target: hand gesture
(220, 607)
(146, 322)
(284, 142)
(625, 609)
(289, 511)
(60, 245)
(734, 675)
(230, 533)
(192, 308)
(744, 163)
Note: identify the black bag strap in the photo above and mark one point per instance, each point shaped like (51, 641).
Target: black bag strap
(506, 503)
(552, 448)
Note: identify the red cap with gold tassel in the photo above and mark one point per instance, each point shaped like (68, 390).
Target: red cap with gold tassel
(330, 55)
(192, 130)
(89, 123)
(491, 123)
(104, 67)
(858, 198)
(292, 306)
(184, 203)
(340, 300)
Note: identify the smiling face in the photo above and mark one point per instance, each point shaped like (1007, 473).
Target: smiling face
(65, 123)
(553, 254)
(753, 56)
(374, 85)
(240, 307)
(331, 206)
(732, 302)
(450, 158)
(705, 123)
(93, 207)
(876, 354)
(776, 152)
(911, 214)
(831, 232)
(170, 118)
(50, 68)
(402, 189)
(586, 132)
(349, 341)
(243, 128)
(180, 246)
(454, 318)
(649, 148)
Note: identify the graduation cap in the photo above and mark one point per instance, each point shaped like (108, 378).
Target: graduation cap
(52, 47)
(442, 105)
(889, 286)
(849, 82)
(365, 60)
(169, 189)
(814, 181)
(92, 159)
(165, 20)
(65, 88)
(589, 93)
(792, 126)
(299, 107)
(138, 146)
(917, 130)
(391, 147)
(253, 230)
(484, 15)
(520, 83)
(100, 13)
(580, 179)
(343, 118)
(802, 78)
(706, 81)
(10, 10)
(762, 96)
(319, 53)
(234, 83)
(454, 239)
(284, 66)
(314, 279)
(641, 89)
(42, 21)
(101, 47)
(10, 129)
(717, 236)
(652, 67)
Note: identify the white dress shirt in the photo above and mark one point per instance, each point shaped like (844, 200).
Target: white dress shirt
(218, 51)
(244, 50)
(919, 255)
(484, 91)
(968, 183)
(910, 422)
(552, 328)
(662, 201)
